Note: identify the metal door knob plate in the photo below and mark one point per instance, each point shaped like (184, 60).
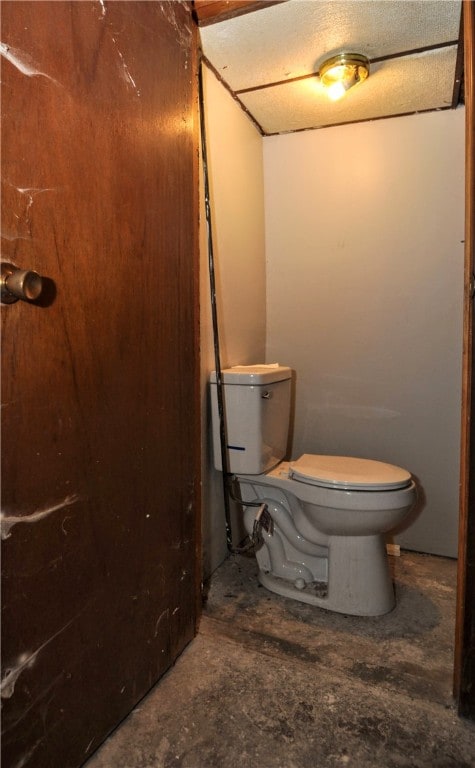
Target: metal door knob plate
(19, 284)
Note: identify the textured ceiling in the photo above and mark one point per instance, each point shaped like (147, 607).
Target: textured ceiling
(268, 59)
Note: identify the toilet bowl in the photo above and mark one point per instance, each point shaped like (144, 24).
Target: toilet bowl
(346, 568)
(329, 514)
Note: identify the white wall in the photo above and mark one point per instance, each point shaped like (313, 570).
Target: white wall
(364, 231)
(237, 201)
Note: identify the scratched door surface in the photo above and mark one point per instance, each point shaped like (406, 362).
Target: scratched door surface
(99, 392)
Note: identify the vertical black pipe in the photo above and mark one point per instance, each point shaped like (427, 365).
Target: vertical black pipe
(214, 316)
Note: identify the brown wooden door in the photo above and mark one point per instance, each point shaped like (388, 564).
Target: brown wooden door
(100, 376)
(464, 669)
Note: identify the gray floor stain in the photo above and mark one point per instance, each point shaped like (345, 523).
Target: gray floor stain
(271, 683)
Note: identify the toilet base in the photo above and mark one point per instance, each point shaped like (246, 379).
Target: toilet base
(359, 582)
(310, 594)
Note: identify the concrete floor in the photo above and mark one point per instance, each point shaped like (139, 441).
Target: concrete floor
(272, 683)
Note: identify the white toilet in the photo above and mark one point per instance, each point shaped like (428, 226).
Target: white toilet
(329, 514)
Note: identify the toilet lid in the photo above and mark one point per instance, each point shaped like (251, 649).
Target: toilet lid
(347, 473)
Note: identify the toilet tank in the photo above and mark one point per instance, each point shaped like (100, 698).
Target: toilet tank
(257, 411)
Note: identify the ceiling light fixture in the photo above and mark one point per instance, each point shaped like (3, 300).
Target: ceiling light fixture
(342, 72)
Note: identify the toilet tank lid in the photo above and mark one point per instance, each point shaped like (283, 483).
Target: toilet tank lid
(252, 375)
(349, 473)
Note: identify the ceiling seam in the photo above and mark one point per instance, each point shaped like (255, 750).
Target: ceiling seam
(309, 75)
(233, 94)
(354, 122)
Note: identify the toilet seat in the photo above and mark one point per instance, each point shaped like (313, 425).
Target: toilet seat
(348, 473)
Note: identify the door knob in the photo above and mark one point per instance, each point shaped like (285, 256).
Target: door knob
(19, 284)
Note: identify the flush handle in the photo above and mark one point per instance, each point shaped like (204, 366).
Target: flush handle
(19, 284)
(266, 395)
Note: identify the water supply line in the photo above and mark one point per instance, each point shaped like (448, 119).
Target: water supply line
(227, 476)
